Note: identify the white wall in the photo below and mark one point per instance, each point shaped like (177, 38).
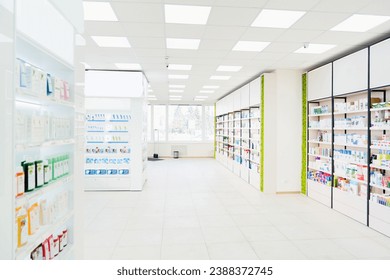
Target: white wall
(185, 149)
(270, 133)
(289, 130)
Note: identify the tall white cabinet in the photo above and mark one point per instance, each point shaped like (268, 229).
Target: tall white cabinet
(115, 125)
(38, 112)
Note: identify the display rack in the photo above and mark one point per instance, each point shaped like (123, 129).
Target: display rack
(319, 156)
(238, 134)
(43, 153)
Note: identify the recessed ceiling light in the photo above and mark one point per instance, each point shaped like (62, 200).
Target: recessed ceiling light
(201, 96)
(177, 86)
(176, 90)
(250, 46)
(111, 42)
(206, 91)
(175, 96)
(224, 78)
(152, 99)
(151, 96)
(227, 68)
(178, 77)
(199, 99)
(128, 66)
(315, 48)
(214, 87)
(360, 23)
(188, 44)
(175, 99)
(100, 11)
(179, 67)
(277, 18)
(186, 14)
(150, 90)
(86, 65)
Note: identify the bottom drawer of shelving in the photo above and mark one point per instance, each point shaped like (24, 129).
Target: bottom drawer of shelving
(244, 174)
(237, 168)
(380, 218)
(319, 192)
(254, 178)
(350, 205)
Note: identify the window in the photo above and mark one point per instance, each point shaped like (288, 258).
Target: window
(209, 123)
(159, 122)
(184, 123)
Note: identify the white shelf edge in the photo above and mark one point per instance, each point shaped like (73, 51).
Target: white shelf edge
(319, 115)
(349, 178)
(349, 145)
(51, 143)
(319, 142)
(320, 156)
(317, 169)
(380, 128)
(45, 189)
(350, 128)
(380, 167)
(315, 128)
(379, 109)
(379, 187)
(351, 112)
(351, 162)
(379, 148)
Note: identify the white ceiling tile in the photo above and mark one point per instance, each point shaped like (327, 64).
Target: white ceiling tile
(149, 52)
(217, 45)
(295, 35)
(343, 38)
(107, 28)
(142, 42)
(296, 5)
(137, 29)
(181, 53)
(232, 16)
(139, 12)
(186, 31)
(241, 55)
(375, 7)
(262, 34)
(240, 3)
(190, 2)
(224, 32)
(135, 1)
(287, 47)
(381, 29)
(344, 6)
(320, 20)
(212, 53)
(275, 55)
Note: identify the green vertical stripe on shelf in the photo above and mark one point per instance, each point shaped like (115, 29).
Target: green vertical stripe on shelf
(215, 130)
(304, 130)
(262, 135)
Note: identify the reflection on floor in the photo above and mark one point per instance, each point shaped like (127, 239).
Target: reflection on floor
(197, 209)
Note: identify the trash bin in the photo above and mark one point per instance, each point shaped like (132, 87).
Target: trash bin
(175, 154)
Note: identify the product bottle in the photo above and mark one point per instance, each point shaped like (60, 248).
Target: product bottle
(46, 172)
(21, 225)
(19, 181)
(29, 176)
(39, 174)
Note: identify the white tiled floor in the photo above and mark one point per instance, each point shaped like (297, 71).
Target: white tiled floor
(197, 209)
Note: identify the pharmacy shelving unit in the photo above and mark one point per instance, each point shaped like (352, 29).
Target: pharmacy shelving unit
(358, 86)
(40, 115)
(319, 151)
(238, 133)
(115, 142)
(350, 154)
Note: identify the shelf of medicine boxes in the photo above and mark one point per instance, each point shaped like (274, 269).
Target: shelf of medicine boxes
(44, 232)
(27, 96)
(50, 143)
(37, 192)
